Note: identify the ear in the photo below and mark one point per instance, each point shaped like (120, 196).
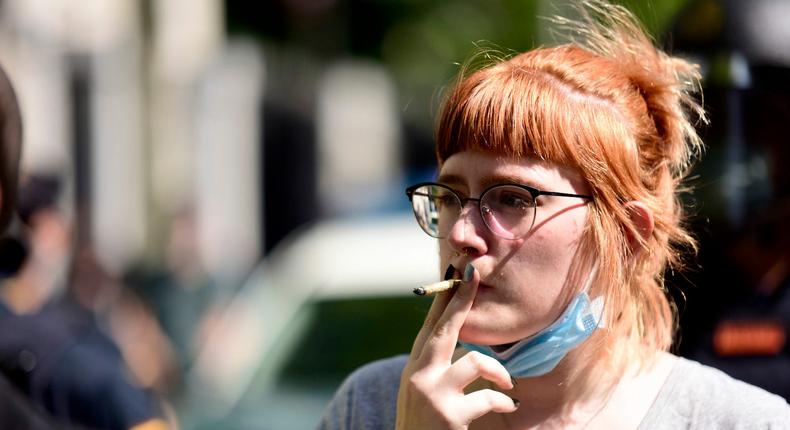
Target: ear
(642, 219)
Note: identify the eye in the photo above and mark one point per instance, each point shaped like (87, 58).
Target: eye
(514, 200)
(442, 198)
(508, 200)
(445, 199)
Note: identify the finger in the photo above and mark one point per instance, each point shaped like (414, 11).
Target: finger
(475, 365)
(440, 344)
(438, 306)
(478, 403)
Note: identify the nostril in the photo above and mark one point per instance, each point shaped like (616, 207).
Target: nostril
(468, 250)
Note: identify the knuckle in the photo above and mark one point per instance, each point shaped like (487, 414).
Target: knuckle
(420, 382)
(491, 398)
(476, 359)
(481, 361)
(441, 330)
(429, 322)
(415, 380)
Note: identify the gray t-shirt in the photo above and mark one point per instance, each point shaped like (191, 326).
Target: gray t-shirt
(694, 396)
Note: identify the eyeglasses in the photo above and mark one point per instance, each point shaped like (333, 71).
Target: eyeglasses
(508, 210)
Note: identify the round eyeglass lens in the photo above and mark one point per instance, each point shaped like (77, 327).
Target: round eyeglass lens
(508, 211)
(436, 209)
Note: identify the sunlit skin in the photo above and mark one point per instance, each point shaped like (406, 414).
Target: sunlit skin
(522, 280)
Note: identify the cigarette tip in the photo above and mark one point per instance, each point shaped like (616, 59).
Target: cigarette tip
(420, 291)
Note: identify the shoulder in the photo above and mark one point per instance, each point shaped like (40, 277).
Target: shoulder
(367, 399)
(380, 371)
(699, 396)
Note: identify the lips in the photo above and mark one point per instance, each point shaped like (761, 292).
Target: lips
(453, 272)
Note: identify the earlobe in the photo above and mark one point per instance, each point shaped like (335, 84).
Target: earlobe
(642, 219)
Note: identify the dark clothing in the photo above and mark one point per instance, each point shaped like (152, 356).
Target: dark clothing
(60, 360)
(17, 412)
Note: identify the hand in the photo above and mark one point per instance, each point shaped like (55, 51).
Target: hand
(431, 394)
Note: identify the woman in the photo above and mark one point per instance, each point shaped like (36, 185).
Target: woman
(557, 201)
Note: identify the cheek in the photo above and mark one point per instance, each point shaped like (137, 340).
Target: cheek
(545, 256)
(562, 237)
(550, 247)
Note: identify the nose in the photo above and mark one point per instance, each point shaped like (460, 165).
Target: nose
(468, 234)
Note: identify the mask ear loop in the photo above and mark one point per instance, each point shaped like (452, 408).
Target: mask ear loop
(597, 305)
(590, 278)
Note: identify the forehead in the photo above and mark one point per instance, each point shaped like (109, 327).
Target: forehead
(476, 169)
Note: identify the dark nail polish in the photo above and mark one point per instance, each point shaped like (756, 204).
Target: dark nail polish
(449, 273)
(513, 380)
(516, 403)
(469, 272)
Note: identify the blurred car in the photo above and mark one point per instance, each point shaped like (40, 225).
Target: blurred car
(332, 297)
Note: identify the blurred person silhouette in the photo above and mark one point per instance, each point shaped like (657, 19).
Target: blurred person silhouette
(57, 370)
(54, 347)
(183, 295)
(44, 244)
(128, 318)
(557, 205)
(16, 411)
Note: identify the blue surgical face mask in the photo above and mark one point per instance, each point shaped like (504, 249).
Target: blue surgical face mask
(540, 353)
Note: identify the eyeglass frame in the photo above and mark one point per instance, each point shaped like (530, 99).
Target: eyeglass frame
(534, 192)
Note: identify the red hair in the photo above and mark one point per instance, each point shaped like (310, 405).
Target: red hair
(619, 110)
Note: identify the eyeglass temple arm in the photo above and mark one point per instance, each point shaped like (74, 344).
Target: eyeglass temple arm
(553, 193)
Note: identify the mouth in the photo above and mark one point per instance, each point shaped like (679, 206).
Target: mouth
(453, 272)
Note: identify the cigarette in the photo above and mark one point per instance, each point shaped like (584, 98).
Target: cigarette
(436, 287)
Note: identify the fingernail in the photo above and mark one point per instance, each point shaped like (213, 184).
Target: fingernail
(513, 380)
(448, 274)
(516, 403)
(469, 272)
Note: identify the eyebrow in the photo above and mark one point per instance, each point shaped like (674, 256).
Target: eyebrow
(489, 180)
(449, 179)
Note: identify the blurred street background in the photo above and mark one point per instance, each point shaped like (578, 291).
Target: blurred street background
(219, 183)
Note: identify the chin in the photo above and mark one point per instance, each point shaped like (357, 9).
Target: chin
(471, 333)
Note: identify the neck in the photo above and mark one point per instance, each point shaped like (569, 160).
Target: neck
(566, 397)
